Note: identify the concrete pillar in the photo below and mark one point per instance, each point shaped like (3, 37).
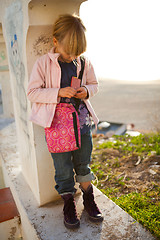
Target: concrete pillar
(27, 28)
(4, 80)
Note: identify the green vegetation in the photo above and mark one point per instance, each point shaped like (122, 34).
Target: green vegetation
(141, 144)
(141, 208)
(128, 172)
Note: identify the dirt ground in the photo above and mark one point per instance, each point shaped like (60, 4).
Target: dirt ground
(126, 173)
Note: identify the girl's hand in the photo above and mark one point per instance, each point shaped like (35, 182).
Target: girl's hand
(81, 93)
(66, 92)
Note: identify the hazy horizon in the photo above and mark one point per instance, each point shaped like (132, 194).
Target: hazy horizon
(123, 38)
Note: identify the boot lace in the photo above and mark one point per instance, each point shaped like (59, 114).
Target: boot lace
(89, 199)
(70, 208)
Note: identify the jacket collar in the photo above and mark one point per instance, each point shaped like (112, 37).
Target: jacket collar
(54, 57)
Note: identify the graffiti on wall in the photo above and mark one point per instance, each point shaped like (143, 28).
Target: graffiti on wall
(42, 45)
(19, 72)
(14, 37)
(3, 58)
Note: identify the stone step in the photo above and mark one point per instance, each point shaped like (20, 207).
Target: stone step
(8, 209)
(9, 216)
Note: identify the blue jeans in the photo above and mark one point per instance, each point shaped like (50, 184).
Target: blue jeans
(77, 160)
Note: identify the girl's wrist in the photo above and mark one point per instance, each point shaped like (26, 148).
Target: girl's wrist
(86, 91)
(59, 93)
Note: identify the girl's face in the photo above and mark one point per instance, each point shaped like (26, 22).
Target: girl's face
(64, 57)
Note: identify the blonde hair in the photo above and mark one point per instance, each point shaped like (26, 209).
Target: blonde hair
(70, 30)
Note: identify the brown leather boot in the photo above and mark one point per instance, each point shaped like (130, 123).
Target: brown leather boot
(71, 220)
(90, 206)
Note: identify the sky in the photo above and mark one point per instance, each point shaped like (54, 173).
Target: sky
(123, 38)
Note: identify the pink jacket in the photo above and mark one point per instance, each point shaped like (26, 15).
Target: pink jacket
(44, 85)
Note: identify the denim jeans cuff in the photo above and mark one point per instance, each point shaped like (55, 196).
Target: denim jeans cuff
(75, 190)
(86, 178)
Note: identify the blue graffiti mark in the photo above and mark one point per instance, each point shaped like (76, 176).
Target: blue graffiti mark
(15, 39)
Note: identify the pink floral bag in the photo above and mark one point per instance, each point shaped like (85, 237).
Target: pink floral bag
(64, 133)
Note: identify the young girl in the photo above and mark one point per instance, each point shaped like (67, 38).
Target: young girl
(50, 84)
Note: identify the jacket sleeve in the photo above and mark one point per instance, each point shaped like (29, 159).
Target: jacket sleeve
(91, 79)
(37, 91)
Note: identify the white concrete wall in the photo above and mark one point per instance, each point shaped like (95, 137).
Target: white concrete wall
(5, 80)
(27, 31)
(15, 26)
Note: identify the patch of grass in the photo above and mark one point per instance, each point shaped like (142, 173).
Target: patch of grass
(107, 144)
(126, 180)
(116, 163)
(143, 143)
(141, 208)
(110, 191)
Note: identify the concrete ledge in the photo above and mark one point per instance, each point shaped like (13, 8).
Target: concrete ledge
(46, 222)
(10, 229)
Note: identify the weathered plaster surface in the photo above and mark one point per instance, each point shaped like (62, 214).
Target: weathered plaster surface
(3, 57)
(4, 79)
(46, 222)
(10, 230)
(14, 19)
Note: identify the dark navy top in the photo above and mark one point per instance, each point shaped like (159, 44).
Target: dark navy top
(67, 71)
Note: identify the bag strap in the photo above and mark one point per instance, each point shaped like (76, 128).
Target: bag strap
(82, 67)
(78, 101)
